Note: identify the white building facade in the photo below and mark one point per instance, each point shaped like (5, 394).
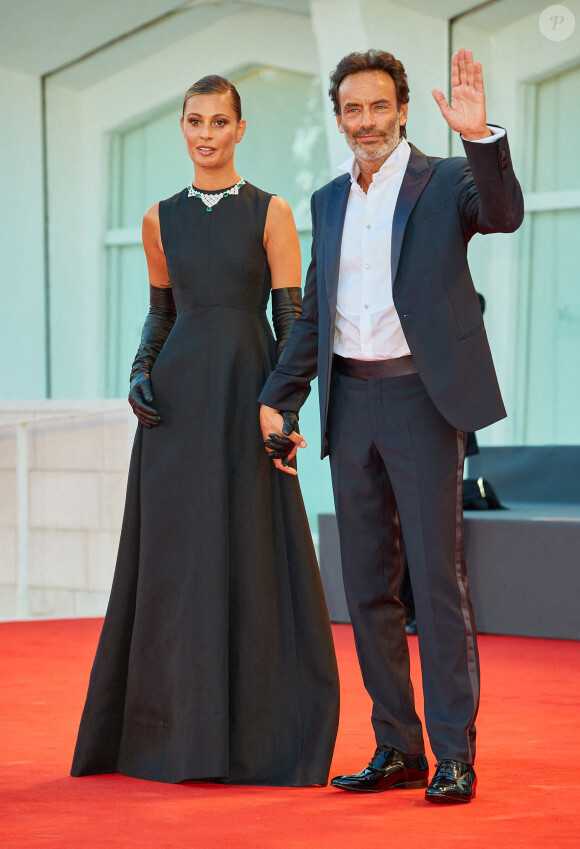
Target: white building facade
(90, 100)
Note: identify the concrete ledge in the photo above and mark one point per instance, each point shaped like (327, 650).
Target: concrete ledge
(63, 475)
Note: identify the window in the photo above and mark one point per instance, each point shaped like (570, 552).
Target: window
(549, 310)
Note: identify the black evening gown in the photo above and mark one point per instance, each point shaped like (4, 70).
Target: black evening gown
(216, 659)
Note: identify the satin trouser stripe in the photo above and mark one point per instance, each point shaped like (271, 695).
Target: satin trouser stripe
(466, 608)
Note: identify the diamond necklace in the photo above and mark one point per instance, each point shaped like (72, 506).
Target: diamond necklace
(211, 200)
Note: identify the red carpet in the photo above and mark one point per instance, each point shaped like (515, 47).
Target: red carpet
(528, 763)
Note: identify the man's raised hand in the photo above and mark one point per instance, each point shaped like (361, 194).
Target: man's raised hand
(466, 113)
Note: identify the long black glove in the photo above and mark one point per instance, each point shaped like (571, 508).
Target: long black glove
(286, 307)
(157, 327)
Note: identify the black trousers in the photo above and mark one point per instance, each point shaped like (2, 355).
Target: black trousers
(393, 455)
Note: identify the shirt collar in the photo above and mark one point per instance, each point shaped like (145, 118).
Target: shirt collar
(399, 157)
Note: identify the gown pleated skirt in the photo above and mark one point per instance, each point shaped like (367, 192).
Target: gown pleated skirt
(216, 660)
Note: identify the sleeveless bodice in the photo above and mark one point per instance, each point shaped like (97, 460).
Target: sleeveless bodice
(217, 258)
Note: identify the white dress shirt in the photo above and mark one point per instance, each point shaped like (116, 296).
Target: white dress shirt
(367, 325)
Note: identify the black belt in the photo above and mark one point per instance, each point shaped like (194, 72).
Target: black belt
(373, 369)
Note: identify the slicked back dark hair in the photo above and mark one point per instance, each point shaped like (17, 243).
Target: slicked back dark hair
(372, 60)
(214, 84)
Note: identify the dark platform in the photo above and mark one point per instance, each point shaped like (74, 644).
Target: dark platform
(523, 563)
(543, 474)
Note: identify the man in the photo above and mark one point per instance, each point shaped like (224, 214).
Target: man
(392, 325)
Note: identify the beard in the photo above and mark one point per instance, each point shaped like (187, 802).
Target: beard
(389, 140)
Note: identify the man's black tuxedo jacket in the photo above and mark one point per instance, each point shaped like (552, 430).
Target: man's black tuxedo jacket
(441, 204)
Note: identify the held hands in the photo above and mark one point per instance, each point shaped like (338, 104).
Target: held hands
(282, 446)
(281, 437)
(466, 114)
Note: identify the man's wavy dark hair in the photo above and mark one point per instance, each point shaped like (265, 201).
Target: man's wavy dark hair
(372, 60)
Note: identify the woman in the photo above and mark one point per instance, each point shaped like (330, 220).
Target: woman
(216, 660)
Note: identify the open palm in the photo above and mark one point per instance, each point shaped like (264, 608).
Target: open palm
(466, 113)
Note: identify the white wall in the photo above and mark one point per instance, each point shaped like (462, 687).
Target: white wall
(22, 374)
(62, 490)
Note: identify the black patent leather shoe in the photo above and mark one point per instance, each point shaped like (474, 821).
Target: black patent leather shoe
(453, 782)
(388, 768)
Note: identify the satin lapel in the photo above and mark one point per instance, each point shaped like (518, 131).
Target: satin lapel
(416, 178)
(335, 213)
